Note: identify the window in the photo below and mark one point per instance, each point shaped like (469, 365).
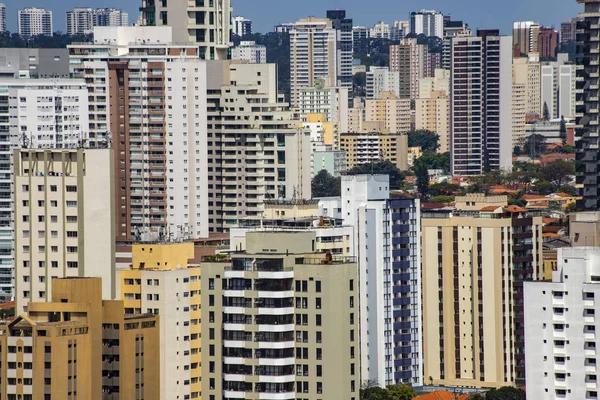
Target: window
(318, 303)
(40, 188)
(351, 301)
(71, 203)
(351, 284)
(71, 234)
(319, 354)
(319, 370)
(318, 319)
(211, 333)
(53, 218)
(319, 337)
(25, 218)
(53, 188)
(211, 300)
(71, 188)
(318, 286)
(25, 188)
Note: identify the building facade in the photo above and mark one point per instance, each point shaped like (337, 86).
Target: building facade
(560, 328)
(35, 21)
(2, 17)
(163, 282)
(147, 101)
(409, 59)
(427, 22)
(480, 118)
(62, 202)
(34, 63)
(587, 105)
(207, 24)
(313, 55)
(344, 50)
(381, 79)
(558, 86)
(433, 114)
(527, 71)
(251, 52)
(79, 346)
(241, 26)
(365, 148)
(274, 316)
(475, 260)
(525, 37)
(256, 149)
(388, 248)
(394, 113)
(548, 42)
(80, 21)
(332, 102)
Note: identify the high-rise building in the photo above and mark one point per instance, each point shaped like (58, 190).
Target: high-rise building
(525, 37)
(110, 17)
(460, 30)
(399, 29)
(438, 82)
(547, 42)
(409, 59)
(587, 105)
(475, 260)
(80, 21)
(387, 244)
(360, 36)
(394, 113)
(427, 22)
(241, 26)
(380, 30)
(432, 113)
(313, 55)
(80, 346)
(162, 281)
(63, 203)
(251, 52)
(365, 148)
(281, 322)
(329, 101)
(264, 155)
(380, 80)
(344, 50)
(147, 100)
(519, 116)
(207, 24)
(2, 17)
(480, 119)
(561, 328)
(558, 85)
(35, 21)
(527, 71)
(568, 31)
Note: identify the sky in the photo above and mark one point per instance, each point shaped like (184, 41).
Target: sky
(267, 13)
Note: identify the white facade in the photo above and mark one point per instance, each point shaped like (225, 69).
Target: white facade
(380, 30)
(241, 26)
(330, 101)
(80, 21)
(110, 17)
(561, 328)
(35, 21)
(427, 22)
(558, 87)
(250, 51)
(381, 79)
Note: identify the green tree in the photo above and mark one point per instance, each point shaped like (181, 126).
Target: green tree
(517, 151)
(476, 396)
(445, 189)
(558, 172)
(400, 392)
(434, 160)
(325, 185)
(426, 140)
(441, 199)
(543, 187)
(370, 391)
(385, 167)
(568, 189)
(563, 129)
(535, 145)
(422, 175)
(546, 112)
(505, 393)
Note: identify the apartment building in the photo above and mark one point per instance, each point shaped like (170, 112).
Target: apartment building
(256, 150)
(527, 71)
(519, 116)
(281, 321)
(331, 101)
(481, 103)
(380, 80)
(147, 101)
(438, 82)
(433, 114)
(63, 200)
(79, 346)
(161, 281)
(393, 112)
(241, 26)
(81, 21)
(548, 42)
(558, 87)
(475, 260)
(360, 34)
(313, 55)
(587, 105)
(34, 21)
(344, 54)
(291, 215)
(387, 245)
(34, 63)
(525, 37)
(364, 148)
(560, 328)
(2, 17)
(409, 59)
(251, 52)
(204, 23)
(325, 157)
(427, 22)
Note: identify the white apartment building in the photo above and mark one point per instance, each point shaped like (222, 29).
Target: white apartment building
(561, 328)
(250, 51)
(35, 21)
(558, 87)
(380, 30)
(148, 100)
(241, 26)
(110, 17)
(63, 200)
(205, 23)
(439, 82)
(313, 55)
(2, 17)
(329, 101)
(427, 22)
(80, 21)
(381, 79)
(527, 71)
